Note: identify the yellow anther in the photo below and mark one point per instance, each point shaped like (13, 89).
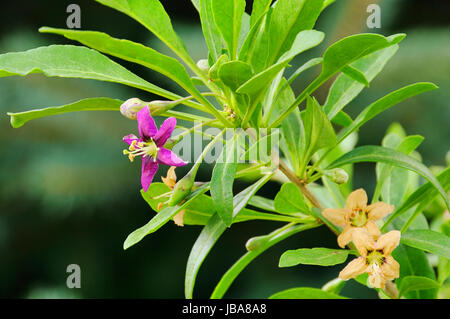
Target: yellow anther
(131, 157)
(132, 148)
(141, 144)
(125, 152)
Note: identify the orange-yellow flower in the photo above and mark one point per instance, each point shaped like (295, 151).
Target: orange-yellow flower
(375, 258)
(170, 180)
(357, 214)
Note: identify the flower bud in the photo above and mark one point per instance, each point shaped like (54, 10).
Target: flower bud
(203, 65)
(158, 107)
(257, 242)
(131, 107)
(182, 189)
(337, 175)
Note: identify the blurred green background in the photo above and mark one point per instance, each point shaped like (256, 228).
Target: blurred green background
(69, 196)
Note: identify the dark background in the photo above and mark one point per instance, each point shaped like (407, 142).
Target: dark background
(68, 196)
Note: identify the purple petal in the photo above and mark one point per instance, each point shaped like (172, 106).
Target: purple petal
(165, 131)
(146, 124)
(130, 138)
(167, 157)
(149, 168)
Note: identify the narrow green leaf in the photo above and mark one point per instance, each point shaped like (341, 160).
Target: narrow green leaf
(319, 132)
(228, 18)
(305, 293)
(414, 283)
(384, 103)
(69, 61)
(258, 84)
(290, 200)
(288, 19)
(133, 52)
(342, 119)
(212, 232)
(345, 89)
(386, 155)
(423, 195)
(270, 240)
(151, 14)
(391, 181)
(356, 75)
(309, 64)
(313, 256)
(262, 203)
(160, 219)
(222, 181)
(210, 30)
(304, 41)
(91, 104)
(341, 54)
(428, 240)
(259, 8)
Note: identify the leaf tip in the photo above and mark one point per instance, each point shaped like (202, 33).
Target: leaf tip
(15, 122)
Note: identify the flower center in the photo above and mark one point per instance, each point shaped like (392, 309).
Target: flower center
(375, 257)
(358, 218)
(147, 148)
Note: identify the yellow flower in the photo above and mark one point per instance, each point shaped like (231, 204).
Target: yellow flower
(375, 258)
(357, 214)
(170, 180)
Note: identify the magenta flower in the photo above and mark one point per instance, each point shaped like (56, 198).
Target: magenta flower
(150, 146)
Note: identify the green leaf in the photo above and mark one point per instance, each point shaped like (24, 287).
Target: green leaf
(133, 52)
(356, 75)
(91, 104)
(259, 8)
(391, 181)
(252, 39)
(160, 219)
(290, 200)
(319, 132)
(423, 195)
(212, 232)
(262, 203)
(270, 240)
(259, 82)
(342, 119)
(222, 181)
(288, 19)
(305, 293)
(345, 89)
(384, 103)
(341, 54)
(200, 209)
(210, 30)
(443, 269)
(69, 61)
(292, 126)
(235, 73)
(313, 256)
(309, 64)
(228, 18)
(151, 14)
(428, 240)
(414, 262)
(386, 155)
(414, 283)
